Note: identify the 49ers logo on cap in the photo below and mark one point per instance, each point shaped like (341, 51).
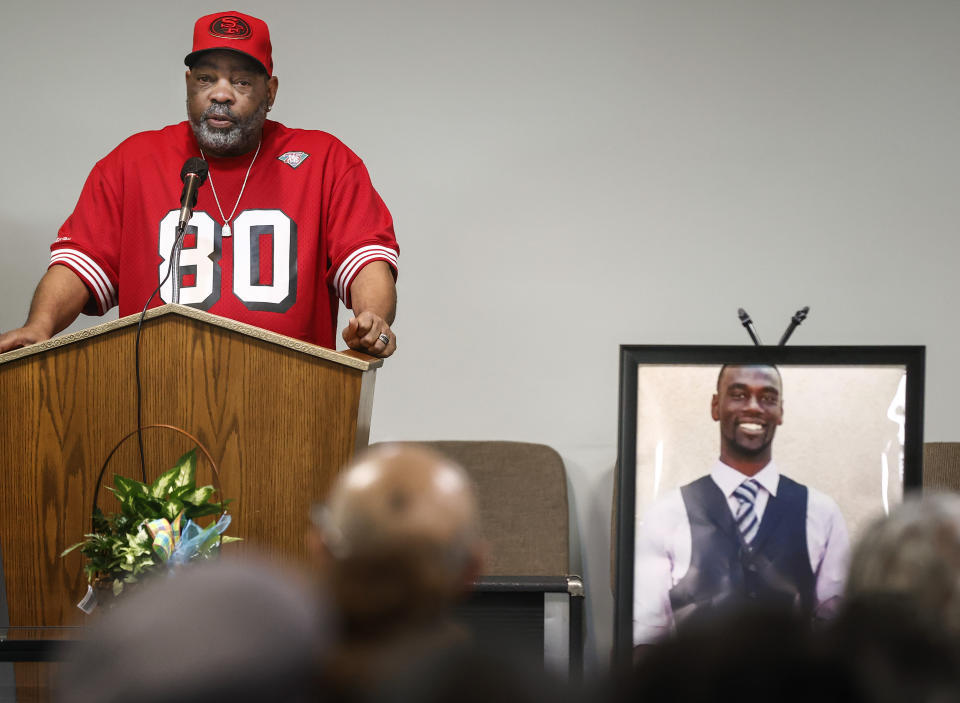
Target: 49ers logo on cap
(230, 27)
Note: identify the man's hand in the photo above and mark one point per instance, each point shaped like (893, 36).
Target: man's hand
(364, 331)
(374, 299)
(14, 339)
(59, 298)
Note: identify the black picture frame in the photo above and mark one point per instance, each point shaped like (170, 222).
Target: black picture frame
(632, 357)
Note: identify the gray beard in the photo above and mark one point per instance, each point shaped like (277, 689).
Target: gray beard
(238, 138)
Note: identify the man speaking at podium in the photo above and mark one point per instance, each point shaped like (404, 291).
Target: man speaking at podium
(287, 222)
(743, 533)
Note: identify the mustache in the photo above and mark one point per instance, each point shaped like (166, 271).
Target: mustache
(220, 112)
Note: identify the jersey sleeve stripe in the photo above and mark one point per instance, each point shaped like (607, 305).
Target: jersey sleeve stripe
(94, 273)
(94, 269)
(344, 293)
(79, 267)
(357, 260)
(345, 270)
(90, 272)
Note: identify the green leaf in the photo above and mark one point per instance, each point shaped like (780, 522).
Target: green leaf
(161, 488)
(209, 543)
(66, 551)
(100, 523)
(128, 488)
(228, 540)
(187, 465)
(195, 511)
(146, 508)
(171, 509)
(124, 523)
(199, 496)
(179, 477)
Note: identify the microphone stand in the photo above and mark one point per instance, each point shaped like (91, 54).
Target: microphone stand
(175, 264)
(795, 321)
(748, 325)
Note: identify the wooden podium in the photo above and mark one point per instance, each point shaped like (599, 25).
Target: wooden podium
(279, 416)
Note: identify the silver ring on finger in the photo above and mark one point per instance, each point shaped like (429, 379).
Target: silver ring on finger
(384, 338)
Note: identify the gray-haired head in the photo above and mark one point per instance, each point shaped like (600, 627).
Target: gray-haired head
(913, 553)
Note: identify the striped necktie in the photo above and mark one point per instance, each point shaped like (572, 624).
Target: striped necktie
(746, 515)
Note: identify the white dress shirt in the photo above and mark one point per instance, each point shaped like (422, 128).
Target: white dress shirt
(664, 546)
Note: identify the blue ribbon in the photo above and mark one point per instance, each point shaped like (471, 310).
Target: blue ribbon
(195, 540)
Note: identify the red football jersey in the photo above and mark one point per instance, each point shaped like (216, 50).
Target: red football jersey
(307, 221)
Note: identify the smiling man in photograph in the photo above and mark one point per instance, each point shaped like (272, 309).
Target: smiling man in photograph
(287, 223)
(744, 533)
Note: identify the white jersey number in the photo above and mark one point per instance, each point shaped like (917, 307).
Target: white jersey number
(254, 232)
(249, 231)
(199, 261)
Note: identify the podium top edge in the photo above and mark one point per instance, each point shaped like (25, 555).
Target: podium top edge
(349, 358)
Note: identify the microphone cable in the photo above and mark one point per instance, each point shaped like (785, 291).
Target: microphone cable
(176, 242)
(193, 174)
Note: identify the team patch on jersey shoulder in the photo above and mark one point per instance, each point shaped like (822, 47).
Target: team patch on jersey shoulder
(293, 158)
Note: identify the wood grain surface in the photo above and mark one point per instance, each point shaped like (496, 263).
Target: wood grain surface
(279, 422)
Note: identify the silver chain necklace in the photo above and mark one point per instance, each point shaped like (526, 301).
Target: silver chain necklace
(227, 220)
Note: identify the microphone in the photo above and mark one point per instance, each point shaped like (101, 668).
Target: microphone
(193, 174)
(795, 321)
(748, 325)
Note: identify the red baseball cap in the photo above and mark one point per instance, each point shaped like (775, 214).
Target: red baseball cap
(233, 31)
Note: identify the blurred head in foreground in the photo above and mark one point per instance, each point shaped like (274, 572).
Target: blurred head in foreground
(899, 625)
(398, 541)
(893, 651)
(213, 631)
(877, 650)
(758, 653)
(913, 554)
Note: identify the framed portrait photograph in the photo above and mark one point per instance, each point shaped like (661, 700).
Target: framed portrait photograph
(746, 473)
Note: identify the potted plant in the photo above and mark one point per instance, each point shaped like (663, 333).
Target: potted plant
(155, 529)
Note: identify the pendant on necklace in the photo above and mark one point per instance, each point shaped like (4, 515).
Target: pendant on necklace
(226, 229)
